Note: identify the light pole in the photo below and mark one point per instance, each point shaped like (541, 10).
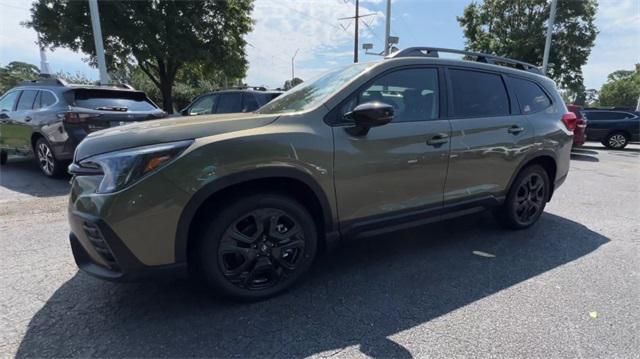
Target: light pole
(387, 29)
(44, 64)
(97, 38)
(293, 59)
(547, 44)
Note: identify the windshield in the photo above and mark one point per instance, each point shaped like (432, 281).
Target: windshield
(307, 95)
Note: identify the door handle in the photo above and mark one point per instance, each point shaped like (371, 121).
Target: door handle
(438, 139)
(27, 119)
(515, 129)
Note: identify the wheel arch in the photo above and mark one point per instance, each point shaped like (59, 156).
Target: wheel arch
(293, 181)
(546, 159)
(35, 136)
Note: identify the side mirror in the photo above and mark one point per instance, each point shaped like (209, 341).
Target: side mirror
(185, 112)
(371, 114)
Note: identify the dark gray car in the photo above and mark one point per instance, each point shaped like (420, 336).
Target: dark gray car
(48, 118)
(247, 200)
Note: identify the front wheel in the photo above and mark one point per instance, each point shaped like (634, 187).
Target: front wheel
(47, 161)
(257, 247)
(526, 199)
(616, 140)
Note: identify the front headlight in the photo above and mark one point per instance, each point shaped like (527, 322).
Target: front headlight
(122, 168)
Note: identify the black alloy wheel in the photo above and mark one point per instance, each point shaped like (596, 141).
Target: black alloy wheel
(526, 200)
(261, 248)
(258, 246)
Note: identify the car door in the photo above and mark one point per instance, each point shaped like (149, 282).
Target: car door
(398, 168)
(489, 138)
(7, 109)
(600, 124)
(19, 129)
(204, 105)
(230, 102)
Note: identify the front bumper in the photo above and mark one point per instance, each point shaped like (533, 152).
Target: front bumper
(98, 251)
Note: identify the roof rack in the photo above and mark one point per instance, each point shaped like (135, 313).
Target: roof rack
(479, 57)
(50, 81)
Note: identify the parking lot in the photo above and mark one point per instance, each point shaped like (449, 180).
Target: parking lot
(568, 287)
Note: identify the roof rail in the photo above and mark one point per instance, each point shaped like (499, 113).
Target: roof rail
(50, 81)
(479, 57)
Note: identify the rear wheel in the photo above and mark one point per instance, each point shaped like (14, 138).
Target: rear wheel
(526, 199)
(616, 140)
(257, 247)
(47, 161)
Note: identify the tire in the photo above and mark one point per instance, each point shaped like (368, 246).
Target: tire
(526, 199)
(47, 161)
(257, 247)
(616, 140)
(3, 158)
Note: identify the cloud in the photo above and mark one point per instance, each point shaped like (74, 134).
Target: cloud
(616, 46)
(311, 27)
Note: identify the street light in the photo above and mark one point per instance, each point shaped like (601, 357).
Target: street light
(293, 64)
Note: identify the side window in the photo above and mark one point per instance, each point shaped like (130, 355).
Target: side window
(530, 96)
(249, 103)
(413, 93)
(478, 94)
(230, 103)
(8, 101)
(46, 99)
(203, 105)
(36, 103)
(26, 100)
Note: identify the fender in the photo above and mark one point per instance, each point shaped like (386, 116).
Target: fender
(530, 157)
(190, 210)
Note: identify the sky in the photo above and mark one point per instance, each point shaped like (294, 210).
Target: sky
(312, 29)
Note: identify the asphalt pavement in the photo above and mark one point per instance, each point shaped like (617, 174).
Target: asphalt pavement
(567, 287)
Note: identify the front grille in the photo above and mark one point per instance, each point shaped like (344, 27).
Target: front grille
(97, 240)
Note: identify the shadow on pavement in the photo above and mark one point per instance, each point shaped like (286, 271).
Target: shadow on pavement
(23, 175)
(626, 149)
(359, 295)
(586, 158)
(583, 151)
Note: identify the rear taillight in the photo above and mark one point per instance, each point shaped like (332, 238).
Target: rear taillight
(570, 120)
(76, 117)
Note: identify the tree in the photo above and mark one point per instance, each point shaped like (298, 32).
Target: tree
(289, 84)
(622, 89)
(16, 72)
(517, 29)
(161, 37)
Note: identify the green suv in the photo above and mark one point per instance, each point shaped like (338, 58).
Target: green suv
(248, 200)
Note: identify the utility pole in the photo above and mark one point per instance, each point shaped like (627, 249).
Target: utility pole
(356, 19)
(355, 42)
(44, 64)
(97, 38)
(293, 73)
(387, 29)
(547, 44)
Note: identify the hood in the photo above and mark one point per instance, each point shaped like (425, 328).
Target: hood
(167, 130)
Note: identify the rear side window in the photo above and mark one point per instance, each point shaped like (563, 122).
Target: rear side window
(530, 96)
(106, 100)
(230, 103)
(478, 94)
(607, 115)
(46, 99)
(26, 100)
(7, 102)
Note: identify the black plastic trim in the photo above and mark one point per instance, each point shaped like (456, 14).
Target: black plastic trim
(199, 198)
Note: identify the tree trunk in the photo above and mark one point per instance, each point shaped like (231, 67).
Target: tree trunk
(166, 89)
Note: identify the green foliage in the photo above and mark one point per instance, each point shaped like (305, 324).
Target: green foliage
(289, 84)
(76, 78)
(16, 72)
(162, 36)
(517, 29)
(622, 89)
